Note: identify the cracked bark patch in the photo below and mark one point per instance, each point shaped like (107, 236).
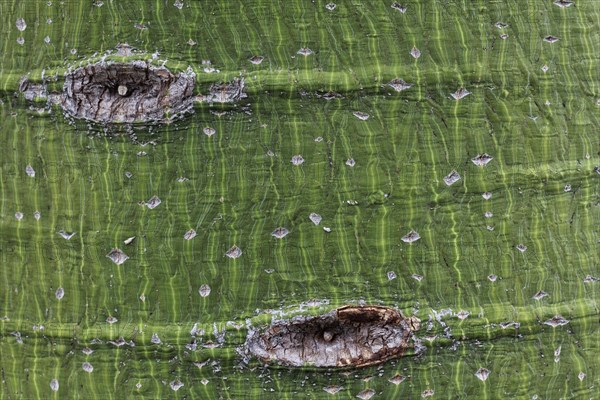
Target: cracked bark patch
(347, 337)
(130, 92)
(126, 92)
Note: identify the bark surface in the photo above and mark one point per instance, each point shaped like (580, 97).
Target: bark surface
(130, 92)
(348, 336)
(126, 92)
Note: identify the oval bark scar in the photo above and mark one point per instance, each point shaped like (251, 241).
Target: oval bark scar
(348, 336)
(126, 92)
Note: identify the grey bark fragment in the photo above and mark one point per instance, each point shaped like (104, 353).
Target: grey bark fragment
(32, 91)
(225, 92)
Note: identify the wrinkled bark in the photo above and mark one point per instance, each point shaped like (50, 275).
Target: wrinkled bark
(126, 92)
(348, 336)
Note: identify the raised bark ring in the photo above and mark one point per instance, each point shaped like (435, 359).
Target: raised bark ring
(350, 336)
(126, 92)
